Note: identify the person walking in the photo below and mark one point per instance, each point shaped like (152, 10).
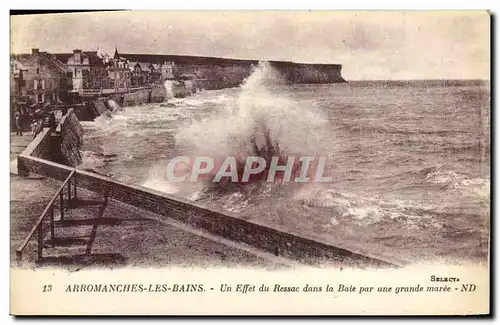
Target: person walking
(33, 128)
(19, 129)
(52, 122)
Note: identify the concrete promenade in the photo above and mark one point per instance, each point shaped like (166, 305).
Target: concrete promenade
(17, 145)
(94, 234)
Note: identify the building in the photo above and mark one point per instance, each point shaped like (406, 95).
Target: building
(147, 70)
(145, 73)
(118, 72)
(18, 90)
(155, 73)
(168, 70)
(140, 73)
(39, 78)
(88, 70)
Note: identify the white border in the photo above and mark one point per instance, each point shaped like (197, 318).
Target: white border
(261, 5)
(190, 5)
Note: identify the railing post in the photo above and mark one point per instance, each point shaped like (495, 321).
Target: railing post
(40, 241)
(69, 192)
(19, 257)
(38, 228)
(74, 184)
(61, 204)
(52, 234)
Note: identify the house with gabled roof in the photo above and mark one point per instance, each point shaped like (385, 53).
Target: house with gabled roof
(87, 68)
(118, 71)
(40, 77)
(141, 73)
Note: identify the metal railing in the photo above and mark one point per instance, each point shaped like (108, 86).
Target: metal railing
(48, 212)
(107, 91)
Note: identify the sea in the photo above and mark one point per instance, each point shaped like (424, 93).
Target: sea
(410, 160)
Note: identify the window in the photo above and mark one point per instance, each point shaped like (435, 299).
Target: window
(37, 70)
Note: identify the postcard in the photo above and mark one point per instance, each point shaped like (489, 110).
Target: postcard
(250, 163)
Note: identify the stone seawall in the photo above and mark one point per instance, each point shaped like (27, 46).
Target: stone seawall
(70, 132)
(41, 146)
(158, 95)
(99, 106)
(135, 98)
(62, 146)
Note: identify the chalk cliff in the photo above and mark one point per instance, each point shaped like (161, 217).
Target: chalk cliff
(302, 73)
(219, 73)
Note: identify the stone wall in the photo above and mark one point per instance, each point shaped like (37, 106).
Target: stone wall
(218, 223)
(40, 147)
(71, 139)
(158, 95)
(142, 96)
(33, 165)
(85, 112)
(99, 106)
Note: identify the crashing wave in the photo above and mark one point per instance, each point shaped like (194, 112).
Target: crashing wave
(259, 123)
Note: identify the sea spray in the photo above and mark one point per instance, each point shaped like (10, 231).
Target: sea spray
(259, 122)
(169, 89)
(91, 160)
(113, 106)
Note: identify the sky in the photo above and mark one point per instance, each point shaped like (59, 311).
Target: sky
(371, 45)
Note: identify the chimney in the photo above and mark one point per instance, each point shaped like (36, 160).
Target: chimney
(35, 51)
(77, 54)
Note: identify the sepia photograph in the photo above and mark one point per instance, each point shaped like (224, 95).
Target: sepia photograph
(355, 144)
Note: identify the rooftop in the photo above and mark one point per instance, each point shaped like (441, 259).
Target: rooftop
(40, 59)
